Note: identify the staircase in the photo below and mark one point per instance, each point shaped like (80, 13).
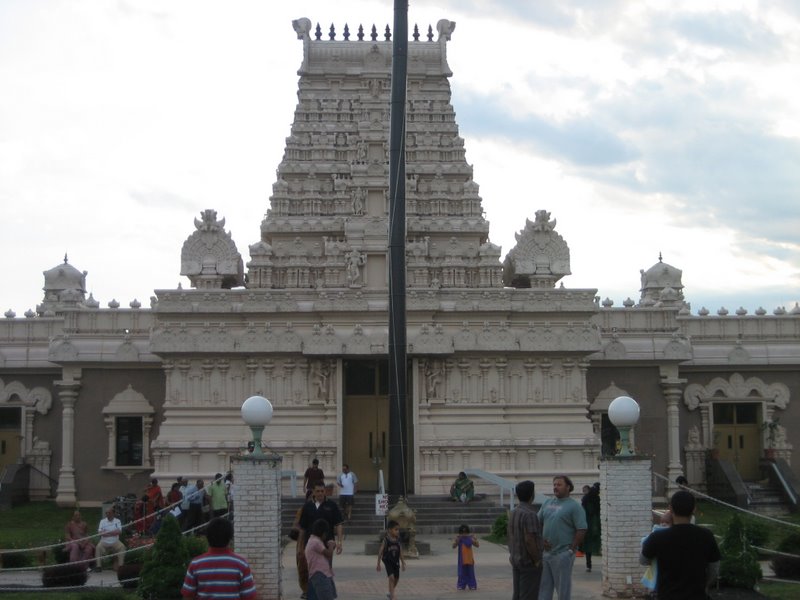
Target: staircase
(435, 514)
(767, 500)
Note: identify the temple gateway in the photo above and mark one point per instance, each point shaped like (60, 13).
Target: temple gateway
(509, 371)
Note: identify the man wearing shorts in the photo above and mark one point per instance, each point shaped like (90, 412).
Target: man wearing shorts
(348, 484)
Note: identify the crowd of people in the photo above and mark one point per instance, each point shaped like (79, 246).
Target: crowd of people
(682, 558)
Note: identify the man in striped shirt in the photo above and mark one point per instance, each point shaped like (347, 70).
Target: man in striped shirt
(219, 573)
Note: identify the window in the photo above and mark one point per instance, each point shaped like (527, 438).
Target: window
(129, 417)
(129, 441)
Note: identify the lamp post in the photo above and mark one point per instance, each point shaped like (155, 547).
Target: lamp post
(623, 412)
(257, 413)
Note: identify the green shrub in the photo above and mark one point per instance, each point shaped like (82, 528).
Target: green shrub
(757, 534)
(788, 567)
(500, 529)
(739, 565)
(165, 566)
(196, 545)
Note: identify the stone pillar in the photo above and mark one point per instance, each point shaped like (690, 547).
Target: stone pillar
(672, 388)
(68, 395)
(257, 527)
(625, 517)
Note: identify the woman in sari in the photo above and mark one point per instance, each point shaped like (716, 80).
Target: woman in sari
(78, 545)
(463, 489)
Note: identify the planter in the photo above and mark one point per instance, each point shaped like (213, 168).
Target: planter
(770, 453)
(64, 576)
(128, 575)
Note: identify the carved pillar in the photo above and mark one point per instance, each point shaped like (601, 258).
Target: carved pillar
(463, 366)
(530, 365)
(583, 368)
(484, 366)
(465, 459)
(558, 456)
(487, 460)
(184, 367)
(225, 392)
(288, 370)
(207, 370)
(531, 459)
(672, 388)
(269, 388)
(68, 395)
(501, 364)
(251, 365)
(449, 454)
(546, 394)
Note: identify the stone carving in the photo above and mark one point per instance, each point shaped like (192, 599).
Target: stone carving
(355, 260)
(736, 387)
(209, 257)
(433, 379)
(320, 374)
(359, 200)
(540, 258)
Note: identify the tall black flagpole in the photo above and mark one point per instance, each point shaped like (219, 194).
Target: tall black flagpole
(397, 254)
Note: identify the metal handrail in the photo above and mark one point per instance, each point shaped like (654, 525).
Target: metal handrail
(501, 482)
(784, 484)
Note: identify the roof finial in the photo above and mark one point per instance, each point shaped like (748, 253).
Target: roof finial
(65, 258)
(659, 256)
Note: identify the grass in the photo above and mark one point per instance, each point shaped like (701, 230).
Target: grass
(34, 524)
(57, 594)
(778, 591)
(716, 517)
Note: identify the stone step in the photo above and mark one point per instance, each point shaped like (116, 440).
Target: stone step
(434, 515)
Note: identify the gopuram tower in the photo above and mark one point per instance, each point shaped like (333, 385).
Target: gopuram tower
(497, 374)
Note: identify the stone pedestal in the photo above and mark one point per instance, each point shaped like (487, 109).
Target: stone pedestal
(626, 517)
(257, 525)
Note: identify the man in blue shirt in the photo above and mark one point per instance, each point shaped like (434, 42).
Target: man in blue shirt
(563, 527)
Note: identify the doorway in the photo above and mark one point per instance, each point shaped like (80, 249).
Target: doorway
(737, 436)
(365, 439)
(10, 435)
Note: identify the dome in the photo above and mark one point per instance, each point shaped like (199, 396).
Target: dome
(661, 285)
(64, 287)
(64, 277)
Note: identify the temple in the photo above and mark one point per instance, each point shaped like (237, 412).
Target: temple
(510, 372)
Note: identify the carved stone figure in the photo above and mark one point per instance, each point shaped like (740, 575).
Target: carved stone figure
(320, 372)
(433, 377)
(355, 260)
(359, 198)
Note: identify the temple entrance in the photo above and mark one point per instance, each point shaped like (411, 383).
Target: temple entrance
(366, 420)
(737, 436)
(10, 435)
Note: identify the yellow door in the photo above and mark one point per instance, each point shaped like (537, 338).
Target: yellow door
(737, 436)
(366, 439)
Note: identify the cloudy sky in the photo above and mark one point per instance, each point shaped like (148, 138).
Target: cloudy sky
(644, 127)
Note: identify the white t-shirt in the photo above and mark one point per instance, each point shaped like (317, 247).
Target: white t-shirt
(109, 525)
(348, 483)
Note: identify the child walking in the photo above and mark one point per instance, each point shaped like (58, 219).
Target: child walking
(391, 554)
(318, 557)
(466, 561)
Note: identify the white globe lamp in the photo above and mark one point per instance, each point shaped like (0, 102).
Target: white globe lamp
(623, 412)
(257, 413)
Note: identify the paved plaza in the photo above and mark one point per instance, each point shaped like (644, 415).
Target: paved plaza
(431, 577)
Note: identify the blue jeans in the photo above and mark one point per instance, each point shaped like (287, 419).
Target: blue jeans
(557, 574)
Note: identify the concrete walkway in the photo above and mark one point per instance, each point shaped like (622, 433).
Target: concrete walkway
(431, 577)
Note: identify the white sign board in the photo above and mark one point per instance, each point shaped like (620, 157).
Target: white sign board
(381, 504)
